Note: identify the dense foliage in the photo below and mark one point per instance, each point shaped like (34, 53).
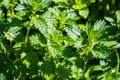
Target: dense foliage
(59, 39)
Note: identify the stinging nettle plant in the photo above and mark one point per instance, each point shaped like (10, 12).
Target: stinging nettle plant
(59, 39)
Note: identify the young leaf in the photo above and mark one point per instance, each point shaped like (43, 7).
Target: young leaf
(84, 12)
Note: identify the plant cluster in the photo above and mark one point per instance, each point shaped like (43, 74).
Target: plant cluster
(59, 39)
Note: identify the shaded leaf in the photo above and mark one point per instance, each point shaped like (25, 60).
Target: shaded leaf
(63, 72)
(48, 67)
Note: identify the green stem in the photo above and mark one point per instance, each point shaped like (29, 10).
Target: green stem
(12, 9)
(27, 35)
(84, 69)
(3, 47)
(11, 43)
(117, 67)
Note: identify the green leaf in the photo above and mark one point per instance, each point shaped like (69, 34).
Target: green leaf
(88, 2)
(67, 52)
(20, 7)
(67, 40)
(100, 28)
(41, 25)
(54, 49)
(2, 76)
(79, 5)
(73, 31)
(63, 72)
(38, 39)
(6, 67)
(70, 14)
(116, 46)
(48, 67)
(12, 33)
(84, 12)
(25, 2)
(55, 11)
(40, 5)
(57, 1)
(63, 16)
(51, 23)
(109, 19)
(79, 45)
(1, 16)
(101, 54)
(70, 22)
(92, 0)
(93, 69)
(29, 62)
(6, 3)
(99, 25)
(109, 43)
(118, 15)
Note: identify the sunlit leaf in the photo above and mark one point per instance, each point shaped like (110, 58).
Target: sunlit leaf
(38, 39)
(12, 33)
(84, 12)
(73, 31)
